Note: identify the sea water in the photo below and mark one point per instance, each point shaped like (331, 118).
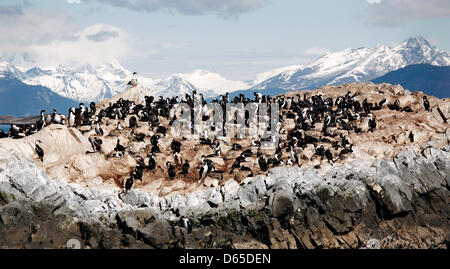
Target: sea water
(5, 128)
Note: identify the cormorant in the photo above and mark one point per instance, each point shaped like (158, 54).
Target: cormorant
(185, 168)
(39, 150)
(426, 103)
(171, 170)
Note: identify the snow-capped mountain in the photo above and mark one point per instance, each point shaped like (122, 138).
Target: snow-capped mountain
(207, 81)
(94, 83)
(172, 86)
(19, 99)
(356, 65)
(8, 70)
(83, 83)
(271, 73)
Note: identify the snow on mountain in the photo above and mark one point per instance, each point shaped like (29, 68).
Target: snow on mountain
(207, 81)
(94, 83)
(84, 83)
(7, 70)
(19, 99)
(356, 65)
(174, 86)
(271, 73)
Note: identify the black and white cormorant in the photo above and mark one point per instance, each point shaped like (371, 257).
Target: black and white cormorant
(262, 163)
(119, 147)
(151, 163)
(98, 129)
(39, 150)
(41, 122)
(186, 224)
(372, 123)
(185, 168)
(426, 103)
(171, 170)
(129, 183)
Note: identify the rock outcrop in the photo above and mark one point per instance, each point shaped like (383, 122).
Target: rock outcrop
(392, 191)
(398, 203)
(66, 159)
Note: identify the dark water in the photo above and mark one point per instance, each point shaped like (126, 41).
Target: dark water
(4, 128)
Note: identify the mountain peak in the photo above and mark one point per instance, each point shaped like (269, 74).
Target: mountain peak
(416, 42)
(357, 65)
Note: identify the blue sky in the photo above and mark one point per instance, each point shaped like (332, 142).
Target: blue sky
(236, 38)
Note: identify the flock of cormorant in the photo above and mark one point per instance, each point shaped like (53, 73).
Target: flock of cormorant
(321, 122)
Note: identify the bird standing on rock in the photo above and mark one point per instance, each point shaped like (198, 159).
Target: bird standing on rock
(119, 147)
(57, 118)
(133, 122)
(185, 168)
(205, 167)
(262, 163)
(98, 129)
(39, 150)
(96, 144)
(186, 224)
(329, 156)
(178, 159)
(41, 122)
(139, 169)
(129, 183)
(372, 123)
(171, 170)
(72, 117)
(426, 103)
(151, 163)
(411, 137)
(293, 155)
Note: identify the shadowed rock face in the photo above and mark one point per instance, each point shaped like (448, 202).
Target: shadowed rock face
(399, 203)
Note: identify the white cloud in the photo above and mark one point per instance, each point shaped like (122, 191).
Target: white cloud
(20, 26)
(221, 8)
(398, 12)
(74, 1)
(374, 1)
(84, 48)
(316, 50)
(51, 38)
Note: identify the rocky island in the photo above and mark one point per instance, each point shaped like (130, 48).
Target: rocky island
(389, 190)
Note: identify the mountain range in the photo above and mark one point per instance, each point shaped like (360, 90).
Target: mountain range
(94, 83)
(19, 99)
(433, 80)
(356, 65)
(83, 83)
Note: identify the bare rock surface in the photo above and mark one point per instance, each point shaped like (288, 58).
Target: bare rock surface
(289, 208)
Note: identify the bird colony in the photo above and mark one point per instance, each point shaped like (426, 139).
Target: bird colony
(136, 145)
